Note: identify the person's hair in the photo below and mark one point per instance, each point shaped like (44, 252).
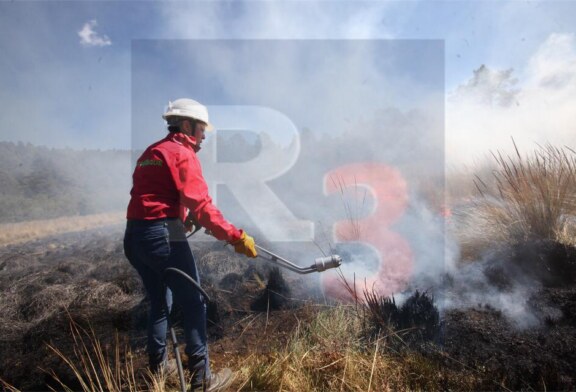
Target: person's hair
(175, 123)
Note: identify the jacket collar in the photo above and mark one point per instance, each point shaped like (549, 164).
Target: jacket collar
(183, 139)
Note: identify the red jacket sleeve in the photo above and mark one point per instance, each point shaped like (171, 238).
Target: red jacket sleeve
(187, 174)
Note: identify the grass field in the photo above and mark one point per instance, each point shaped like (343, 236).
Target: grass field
(74, 309)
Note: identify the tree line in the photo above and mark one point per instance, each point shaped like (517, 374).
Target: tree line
(40, 183)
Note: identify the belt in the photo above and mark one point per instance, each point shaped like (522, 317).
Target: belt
(150, 222)
(174, 225)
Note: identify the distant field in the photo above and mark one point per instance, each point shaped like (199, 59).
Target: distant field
(16, 233)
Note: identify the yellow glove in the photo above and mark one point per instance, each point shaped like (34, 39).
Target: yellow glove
(245, 245)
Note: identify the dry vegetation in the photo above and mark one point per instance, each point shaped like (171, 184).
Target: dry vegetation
(14, 233)
(333, 353)
(519, 200)
(535, 196)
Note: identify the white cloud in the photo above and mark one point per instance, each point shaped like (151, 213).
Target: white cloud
(89, 37)
(554, 64)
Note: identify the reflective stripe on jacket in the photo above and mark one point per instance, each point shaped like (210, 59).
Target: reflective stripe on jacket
(168, 180)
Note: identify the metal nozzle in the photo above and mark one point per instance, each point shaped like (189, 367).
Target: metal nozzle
(324, 263)
(320, 264)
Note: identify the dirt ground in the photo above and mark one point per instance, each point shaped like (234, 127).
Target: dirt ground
(46, 282)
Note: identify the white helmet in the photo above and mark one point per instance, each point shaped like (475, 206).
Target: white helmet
(185, 107)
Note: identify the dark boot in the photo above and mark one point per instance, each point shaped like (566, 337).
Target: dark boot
(197, 366)
(156, 362)
(217, 382)
(220, 381)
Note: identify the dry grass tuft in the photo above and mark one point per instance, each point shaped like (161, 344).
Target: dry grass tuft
(533, 196)
(355, 206)
(521, 199)
(98, 368)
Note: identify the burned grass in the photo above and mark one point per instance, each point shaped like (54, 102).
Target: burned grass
(276, 294)
(411, 325)
(84, 279)
(535, 359)
(305, 345)
(50, 281)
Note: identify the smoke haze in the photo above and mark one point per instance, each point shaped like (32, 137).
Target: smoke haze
(533, 105)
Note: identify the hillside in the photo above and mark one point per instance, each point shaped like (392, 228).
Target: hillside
(42, 183)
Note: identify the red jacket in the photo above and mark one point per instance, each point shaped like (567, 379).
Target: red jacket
(168, 180)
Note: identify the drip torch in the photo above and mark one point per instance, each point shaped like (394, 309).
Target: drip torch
(320, 264)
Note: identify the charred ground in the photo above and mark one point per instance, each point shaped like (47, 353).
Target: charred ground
(84, 277)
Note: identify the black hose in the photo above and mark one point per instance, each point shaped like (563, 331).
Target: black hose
(174, 343)
(171, 327)
(189, 278)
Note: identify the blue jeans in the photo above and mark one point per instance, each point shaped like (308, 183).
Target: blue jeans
(151, 247)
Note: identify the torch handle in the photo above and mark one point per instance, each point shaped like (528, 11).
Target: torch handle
(320, 264)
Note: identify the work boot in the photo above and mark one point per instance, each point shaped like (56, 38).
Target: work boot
(157, 362)
(168, 367)
(217, 382)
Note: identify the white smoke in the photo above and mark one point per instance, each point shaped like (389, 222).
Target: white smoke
(534, 105)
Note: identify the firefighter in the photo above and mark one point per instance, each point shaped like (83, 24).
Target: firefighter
(168, 187)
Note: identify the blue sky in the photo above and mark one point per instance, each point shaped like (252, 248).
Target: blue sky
(57, 91)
